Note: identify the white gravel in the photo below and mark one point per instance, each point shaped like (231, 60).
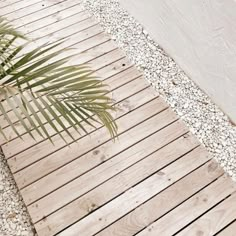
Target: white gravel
(195, 108)
(14, 218)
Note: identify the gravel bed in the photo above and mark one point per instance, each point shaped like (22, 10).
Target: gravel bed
(210, 125)
(14, 218)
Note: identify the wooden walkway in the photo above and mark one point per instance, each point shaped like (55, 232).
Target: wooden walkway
(155, 180)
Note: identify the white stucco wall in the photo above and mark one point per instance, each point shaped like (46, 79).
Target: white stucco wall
(201, 36)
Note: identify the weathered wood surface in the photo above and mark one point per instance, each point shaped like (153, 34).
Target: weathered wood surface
(156, 179)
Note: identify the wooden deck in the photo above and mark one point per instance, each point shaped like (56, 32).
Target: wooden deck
(155, 180)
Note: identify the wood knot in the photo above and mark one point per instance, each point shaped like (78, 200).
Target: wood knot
(92, 207)
(160, 173)
(96, 152)
(205, 199)
(212, 167)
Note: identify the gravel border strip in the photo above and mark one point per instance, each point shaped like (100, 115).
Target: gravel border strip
(14, 217)
(204, 119)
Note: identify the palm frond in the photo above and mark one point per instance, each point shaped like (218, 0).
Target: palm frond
(39, 84)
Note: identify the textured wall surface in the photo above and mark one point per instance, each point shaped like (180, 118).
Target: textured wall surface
(201, 36)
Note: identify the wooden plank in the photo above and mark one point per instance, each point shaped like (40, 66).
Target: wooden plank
(11, 6)
(85, 30)
(83, 47)
(103, 153)
(120, 179)
(229, 231)
(120, 76)
(106, 59)
(137, 195)
(39, 10)
(217, 218)
(192, 208)
(162, 203)
(70, 41)
(71, 151)
(85, 52)
(8, 3)
(166, 135)
(49, 34)
(65, 17)
(47, 208)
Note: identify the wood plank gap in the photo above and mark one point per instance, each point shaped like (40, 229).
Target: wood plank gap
(20, 7)
(135, 196)
(52, 14)
(206, 224)
(191, 209)
(28, 192)
(47, 204)
(80, 32)
(50, 157)
(31, 13)
(9, 4)
(163, 203)
(229, 230)
(56, 22)
(159, 157)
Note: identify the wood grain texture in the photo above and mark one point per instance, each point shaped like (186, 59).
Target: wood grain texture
(193, 208)
(43, 203)
(214, 220)
(144, 129)
(123, 171)
(163, 203)
(10, 6)
(154, 180)
(137, 195)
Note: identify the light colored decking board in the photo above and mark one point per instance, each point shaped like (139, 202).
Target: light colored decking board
(229, 231)
(9, 6)
(155, 157)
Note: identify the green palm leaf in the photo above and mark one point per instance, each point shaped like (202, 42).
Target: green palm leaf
(37, 85)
